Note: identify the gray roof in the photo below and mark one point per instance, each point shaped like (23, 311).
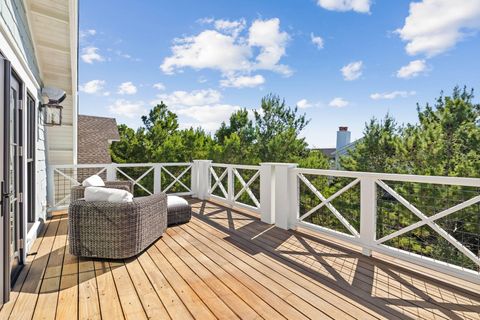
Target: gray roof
(328, 152)
(94, 137)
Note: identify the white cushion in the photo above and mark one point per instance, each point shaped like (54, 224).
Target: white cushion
(107, 194)
(93, 181)
(176, 201)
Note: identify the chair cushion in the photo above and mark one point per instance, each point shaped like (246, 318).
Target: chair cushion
(107, 194)
(93, 181)
(176, 202)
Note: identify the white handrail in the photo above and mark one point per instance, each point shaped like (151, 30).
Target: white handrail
(278, 201)
(458, 181)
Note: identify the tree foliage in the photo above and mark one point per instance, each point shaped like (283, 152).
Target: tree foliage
(270, 133)
(444, 142)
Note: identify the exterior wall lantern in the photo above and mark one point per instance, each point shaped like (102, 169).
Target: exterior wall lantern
(52, 109)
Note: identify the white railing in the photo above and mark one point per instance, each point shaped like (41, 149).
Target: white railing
(230, 185)
(147, 178)
(370, 184)
(276, 190)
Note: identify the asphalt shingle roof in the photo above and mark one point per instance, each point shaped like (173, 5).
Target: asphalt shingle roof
(94, 137)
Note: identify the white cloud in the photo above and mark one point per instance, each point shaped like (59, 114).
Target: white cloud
(159, 86)
(230, 27)
(304, 104)
(93, 86)
(434, 26)
(193, 98)
(91, 54)
(208, 117)
(338, 103)
(266, 34)
(243, 81)
(125, 108)
(208, 50)
(233, 55)
(124, 55)
(392, 95)
(317, 41)
(362, 6)
(198, 108)
(127, 88)
(413, 69)
(86, 33)
(352, 71)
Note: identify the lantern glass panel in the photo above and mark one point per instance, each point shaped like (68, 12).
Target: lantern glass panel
(53, 115)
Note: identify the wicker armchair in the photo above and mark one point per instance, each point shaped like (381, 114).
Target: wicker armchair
(78, 192)
(116, 230)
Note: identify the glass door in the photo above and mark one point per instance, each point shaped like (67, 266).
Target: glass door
(14, 176)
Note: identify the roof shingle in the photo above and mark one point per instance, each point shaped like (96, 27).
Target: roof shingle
(94, 137)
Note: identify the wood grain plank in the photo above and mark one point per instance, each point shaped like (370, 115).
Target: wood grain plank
(255, 295)
(132, 307)
(189, 298)
(283, 276)
(67, 305)
(173, 304)
(413, 299)
(88, 302)
(210, 298)
(27, 299)
(244, 264)
(109, 301)
(15, 292)
(149, 298)
(46, 306)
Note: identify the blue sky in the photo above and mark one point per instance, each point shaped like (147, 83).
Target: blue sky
(342, 61)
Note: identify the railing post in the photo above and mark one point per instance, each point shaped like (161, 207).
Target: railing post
(267, 193)
(286, 195)
(230, 186)
(157, 178)
(203, 178)
(111, 172)
(368, 214)
(194, 178)
(50, 189)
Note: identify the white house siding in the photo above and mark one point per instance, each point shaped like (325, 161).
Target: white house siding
(16, 46)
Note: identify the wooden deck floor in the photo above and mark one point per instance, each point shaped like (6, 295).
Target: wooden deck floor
(227, 264)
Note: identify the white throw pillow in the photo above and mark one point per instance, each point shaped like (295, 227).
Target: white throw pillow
(93, 181)
(176, 201)
(107, 194)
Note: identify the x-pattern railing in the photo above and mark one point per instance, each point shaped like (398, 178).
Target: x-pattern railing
(63, 177)
(177, 179)
(218, 181)
(136, 182)
(430, 221)
(246, 186)
(327, 202)
(224, 180)
(73, 182)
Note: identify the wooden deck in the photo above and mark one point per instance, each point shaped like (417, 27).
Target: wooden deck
(227, 264)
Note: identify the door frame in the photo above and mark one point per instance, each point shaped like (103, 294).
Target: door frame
(6, 74)
(19, 115)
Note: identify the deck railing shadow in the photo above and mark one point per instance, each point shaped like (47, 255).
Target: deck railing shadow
(345, 270)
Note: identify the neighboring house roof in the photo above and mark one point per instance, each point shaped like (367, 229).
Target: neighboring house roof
(344, 150)
(328, 152)
(94, 137)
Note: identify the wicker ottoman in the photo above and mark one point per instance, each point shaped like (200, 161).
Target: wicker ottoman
(178, 210)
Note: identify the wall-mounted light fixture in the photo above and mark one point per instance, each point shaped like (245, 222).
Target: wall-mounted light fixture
(52, 109)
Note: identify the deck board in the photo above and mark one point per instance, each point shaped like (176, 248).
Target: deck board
(226, 264)
(341, 271)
